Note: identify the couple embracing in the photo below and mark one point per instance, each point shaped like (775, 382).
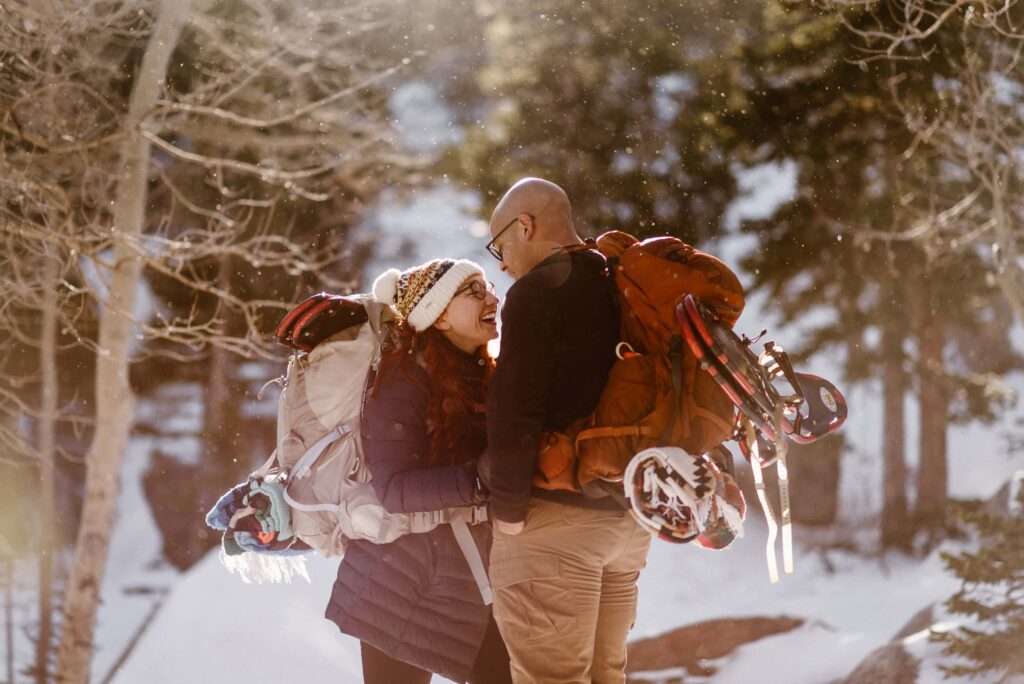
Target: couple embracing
(445, 425)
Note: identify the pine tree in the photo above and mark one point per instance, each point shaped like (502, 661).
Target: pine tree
(992, 594)
(794, 89)
(594, 95)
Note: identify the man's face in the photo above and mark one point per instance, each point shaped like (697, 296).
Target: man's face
(510, 248)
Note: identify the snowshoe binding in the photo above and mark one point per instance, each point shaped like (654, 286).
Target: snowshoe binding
(774, 402)
(761, 386)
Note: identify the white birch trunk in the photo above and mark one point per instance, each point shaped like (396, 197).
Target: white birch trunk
(113, 394)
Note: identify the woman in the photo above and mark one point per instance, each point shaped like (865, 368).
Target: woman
(413, 603)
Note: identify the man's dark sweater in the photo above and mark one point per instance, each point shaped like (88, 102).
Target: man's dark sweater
(560, 325)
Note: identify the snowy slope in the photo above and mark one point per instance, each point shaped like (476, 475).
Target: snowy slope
(210, 622)
(216, 628)
(137, 578)
(213, 627)
(851, 604)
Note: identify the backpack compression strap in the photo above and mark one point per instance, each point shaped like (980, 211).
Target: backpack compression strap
(303, 465)
(625, 431)
(458, 518)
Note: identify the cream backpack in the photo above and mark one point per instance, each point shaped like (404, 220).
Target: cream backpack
(319, 458)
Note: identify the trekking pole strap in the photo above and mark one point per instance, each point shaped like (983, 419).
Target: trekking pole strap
(469, 549)
(762, 497)
(783, 470)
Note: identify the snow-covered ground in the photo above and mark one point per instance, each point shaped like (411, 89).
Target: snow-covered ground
(137, 579)
(851, 604)
(213, 626)
(216, 628)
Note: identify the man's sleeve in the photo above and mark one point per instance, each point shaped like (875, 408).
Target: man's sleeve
(518, 399)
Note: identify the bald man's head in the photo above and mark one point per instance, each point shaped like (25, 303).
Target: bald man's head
(532, 221)
(542, 199)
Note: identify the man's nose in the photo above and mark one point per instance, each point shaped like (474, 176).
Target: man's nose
(504, 266)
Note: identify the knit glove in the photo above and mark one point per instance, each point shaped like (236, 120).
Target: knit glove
(277, 515)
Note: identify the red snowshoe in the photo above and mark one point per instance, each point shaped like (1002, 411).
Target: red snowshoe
(762, 386)
(774, 403)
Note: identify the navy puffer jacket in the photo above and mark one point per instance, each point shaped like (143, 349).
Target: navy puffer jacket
(415, 598)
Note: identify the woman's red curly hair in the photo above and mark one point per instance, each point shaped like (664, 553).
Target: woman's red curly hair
(457, 389)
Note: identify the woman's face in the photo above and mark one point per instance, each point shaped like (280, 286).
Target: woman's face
(470, 320)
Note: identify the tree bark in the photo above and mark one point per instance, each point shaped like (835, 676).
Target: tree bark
(220, 423)
(46, 446)
(219, 467)
(932, 472)
(1007, 259)
(9, 614)
(114, 402)
(895, 527)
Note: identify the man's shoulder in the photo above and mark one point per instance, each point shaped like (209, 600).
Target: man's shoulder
(556, 271)
(548, 275)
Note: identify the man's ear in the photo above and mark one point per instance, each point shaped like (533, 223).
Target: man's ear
(527, 225)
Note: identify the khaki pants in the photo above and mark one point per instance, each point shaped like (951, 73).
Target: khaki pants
(565, 593)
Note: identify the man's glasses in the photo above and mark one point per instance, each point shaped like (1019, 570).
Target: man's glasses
(495, 252)
(477, 288)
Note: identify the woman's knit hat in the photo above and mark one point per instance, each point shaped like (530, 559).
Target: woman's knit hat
(423, 292)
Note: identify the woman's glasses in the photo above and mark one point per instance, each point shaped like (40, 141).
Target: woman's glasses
(477, 288)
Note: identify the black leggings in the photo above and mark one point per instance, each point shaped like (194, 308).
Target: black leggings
(491, 666)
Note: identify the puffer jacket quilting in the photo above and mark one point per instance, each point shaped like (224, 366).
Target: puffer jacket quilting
(414, 598)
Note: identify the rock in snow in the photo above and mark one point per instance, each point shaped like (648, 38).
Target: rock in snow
(687, 647)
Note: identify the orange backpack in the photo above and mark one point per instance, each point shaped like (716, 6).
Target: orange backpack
(657, 393)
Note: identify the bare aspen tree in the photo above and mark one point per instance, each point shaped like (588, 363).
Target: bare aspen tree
(47, 450)
(113, 393)
(251, 135)
(35, 213)
(971, 123)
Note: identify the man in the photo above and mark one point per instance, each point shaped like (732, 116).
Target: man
(563, 567)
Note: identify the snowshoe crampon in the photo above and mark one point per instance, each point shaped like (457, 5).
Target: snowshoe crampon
(684, 498)
(762, 386)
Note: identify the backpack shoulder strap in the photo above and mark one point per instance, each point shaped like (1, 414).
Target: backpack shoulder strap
(588, 243)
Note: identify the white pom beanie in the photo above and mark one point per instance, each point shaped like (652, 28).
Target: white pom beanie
(423, 292)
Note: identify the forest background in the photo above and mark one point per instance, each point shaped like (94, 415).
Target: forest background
(175, 175)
